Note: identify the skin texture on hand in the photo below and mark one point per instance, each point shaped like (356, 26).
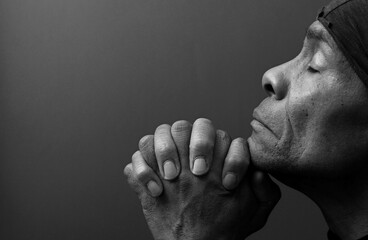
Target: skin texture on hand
(194, 182)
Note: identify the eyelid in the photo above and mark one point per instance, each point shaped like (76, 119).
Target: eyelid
(319, 59)
(312, 69)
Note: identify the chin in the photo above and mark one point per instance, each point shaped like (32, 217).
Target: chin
(275, 166)
(293, 171)
(266, 157)
(276, 161)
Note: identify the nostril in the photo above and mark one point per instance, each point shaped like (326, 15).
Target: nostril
(269, 89)
(275, 82)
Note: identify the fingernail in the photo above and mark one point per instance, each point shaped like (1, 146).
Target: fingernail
(169, 170)
(154, 188)
(230, 181)
(199, 166)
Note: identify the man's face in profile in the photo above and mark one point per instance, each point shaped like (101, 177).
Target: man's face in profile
(315, 120)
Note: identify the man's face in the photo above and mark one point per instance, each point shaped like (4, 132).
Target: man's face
(315, 120)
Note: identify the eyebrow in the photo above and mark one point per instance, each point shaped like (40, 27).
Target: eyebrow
(316, 34)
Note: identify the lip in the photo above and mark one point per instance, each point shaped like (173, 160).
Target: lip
(258, 122)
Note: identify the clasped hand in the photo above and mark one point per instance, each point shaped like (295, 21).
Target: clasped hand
(196, 183)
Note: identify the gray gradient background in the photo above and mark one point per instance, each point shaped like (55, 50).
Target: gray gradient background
(83, 80)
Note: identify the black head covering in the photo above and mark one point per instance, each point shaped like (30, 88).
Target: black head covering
(332, 236)
(347, 23)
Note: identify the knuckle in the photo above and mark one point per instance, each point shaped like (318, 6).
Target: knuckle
(239, 140)
(128, 170)
(161, 128)
(181, 126)
(164, 149)
(142, 174)
(148, 205)
(134, 184)
(144, 141)
(222, 135)
(239, 147)
(203, 120)
(136, 155)
(235, 160)
(201, 145)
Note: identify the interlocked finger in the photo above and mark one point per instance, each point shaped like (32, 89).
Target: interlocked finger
(166, 153)
(222, 145)
(181, 132)
(147, 149)
(201, 146)
(236, 164)
(144, 176)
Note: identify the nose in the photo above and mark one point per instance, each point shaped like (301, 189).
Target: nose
(275, 82)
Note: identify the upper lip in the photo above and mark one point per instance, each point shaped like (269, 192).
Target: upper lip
(257, 117)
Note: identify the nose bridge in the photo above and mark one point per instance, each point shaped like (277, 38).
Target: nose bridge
(276, 81)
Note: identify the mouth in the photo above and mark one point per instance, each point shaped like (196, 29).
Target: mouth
(258, 124)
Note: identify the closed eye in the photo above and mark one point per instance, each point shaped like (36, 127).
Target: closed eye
(312, 70)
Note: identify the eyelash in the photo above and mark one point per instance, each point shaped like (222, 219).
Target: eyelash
(312, 70)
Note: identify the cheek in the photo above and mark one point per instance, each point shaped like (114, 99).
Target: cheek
(331, 128)
(303, 109)
(342, 129)
(306, 109)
